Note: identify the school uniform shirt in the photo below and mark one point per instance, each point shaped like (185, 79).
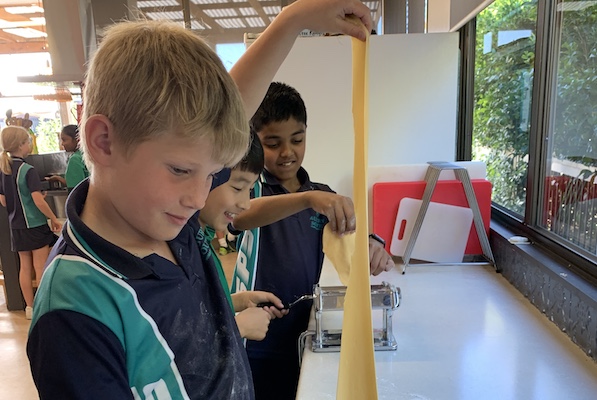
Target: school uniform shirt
(284, 258)
(109, 325)
(210, 233)
(76, 170)
(17, 188)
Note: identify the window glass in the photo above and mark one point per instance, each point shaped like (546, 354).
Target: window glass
(504, 57)
(229, 53)
(570, 193)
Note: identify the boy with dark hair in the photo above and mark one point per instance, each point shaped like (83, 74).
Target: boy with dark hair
(129, 305)
(285, 255)
(222, 205)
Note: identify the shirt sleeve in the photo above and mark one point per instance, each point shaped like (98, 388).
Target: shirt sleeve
(73, 356)
(75, 172)
(33, 181)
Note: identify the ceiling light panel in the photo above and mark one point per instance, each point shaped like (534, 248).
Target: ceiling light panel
(196, 25)
(169, 15)
(209, 1)
(273, 10)
(255, 22)
(157, 3)
(246, 11)
(230, 23)
(221, 12)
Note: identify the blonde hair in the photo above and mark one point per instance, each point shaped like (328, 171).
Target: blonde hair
(154, 78)
(12, 138)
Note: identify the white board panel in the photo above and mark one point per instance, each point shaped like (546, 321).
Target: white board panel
(412, 108)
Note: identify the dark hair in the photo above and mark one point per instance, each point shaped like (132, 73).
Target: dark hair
(281, 102)
(71, 130)
(253, 160)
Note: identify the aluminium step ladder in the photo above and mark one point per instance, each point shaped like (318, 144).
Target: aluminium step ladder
(431, 178)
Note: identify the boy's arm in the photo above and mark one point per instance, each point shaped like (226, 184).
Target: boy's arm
(379, 259)
(251, 298)
(254, 71)
(73, 356)
(253, 323)
(269, 209)
(2, 200)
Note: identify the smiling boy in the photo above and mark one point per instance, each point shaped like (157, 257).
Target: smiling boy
(285, 256)
(221, 207)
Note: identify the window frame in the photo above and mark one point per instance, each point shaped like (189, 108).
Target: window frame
(542, 105)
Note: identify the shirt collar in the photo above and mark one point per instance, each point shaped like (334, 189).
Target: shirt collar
(111, 257)
(302, 175)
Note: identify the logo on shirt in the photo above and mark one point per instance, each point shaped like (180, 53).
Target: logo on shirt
(203, 244)
(318, 221)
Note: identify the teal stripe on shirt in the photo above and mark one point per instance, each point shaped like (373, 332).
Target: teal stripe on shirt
(33, 216)
(111, 301)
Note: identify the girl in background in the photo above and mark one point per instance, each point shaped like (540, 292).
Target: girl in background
(76, 170)
(28, 212)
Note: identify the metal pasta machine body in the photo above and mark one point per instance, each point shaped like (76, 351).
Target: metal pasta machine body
(385, 297)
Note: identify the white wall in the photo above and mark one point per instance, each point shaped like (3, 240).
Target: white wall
(412, 108)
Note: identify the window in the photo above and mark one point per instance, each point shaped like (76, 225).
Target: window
(570, 189)
(534, 119)
(504, 57)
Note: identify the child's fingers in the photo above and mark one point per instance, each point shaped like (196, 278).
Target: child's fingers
(344, 216)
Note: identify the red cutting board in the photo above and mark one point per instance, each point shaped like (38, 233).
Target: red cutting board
(387, 197)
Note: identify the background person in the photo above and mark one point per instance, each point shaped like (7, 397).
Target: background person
(76, 170)
(28, 212)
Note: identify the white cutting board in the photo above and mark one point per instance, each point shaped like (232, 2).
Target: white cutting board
(443, 235)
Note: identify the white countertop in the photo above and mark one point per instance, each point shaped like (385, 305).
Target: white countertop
(463, 332)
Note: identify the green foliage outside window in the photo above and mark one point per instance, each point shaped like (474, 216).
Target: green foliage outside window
(503, 87)
(575, 126)
(47, 132)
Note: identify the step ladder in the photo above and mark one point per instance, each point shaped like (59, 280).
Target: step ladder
(431, 177)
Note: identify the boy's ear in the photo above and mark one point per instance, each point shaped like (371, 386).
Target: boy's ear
(99, 138)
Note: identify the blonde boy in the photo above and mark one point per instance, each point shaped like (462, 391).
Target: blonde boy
(130, 305)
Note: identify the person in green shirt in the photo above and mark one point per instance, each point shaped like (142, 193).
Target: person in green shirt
(76, 170)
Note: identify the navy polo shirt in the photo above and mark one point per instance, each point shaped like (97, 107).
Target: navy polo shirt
(289, 264)
(109, 325)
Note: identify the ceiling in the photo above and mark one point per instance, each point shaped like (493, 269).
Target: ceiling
(22, 23)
